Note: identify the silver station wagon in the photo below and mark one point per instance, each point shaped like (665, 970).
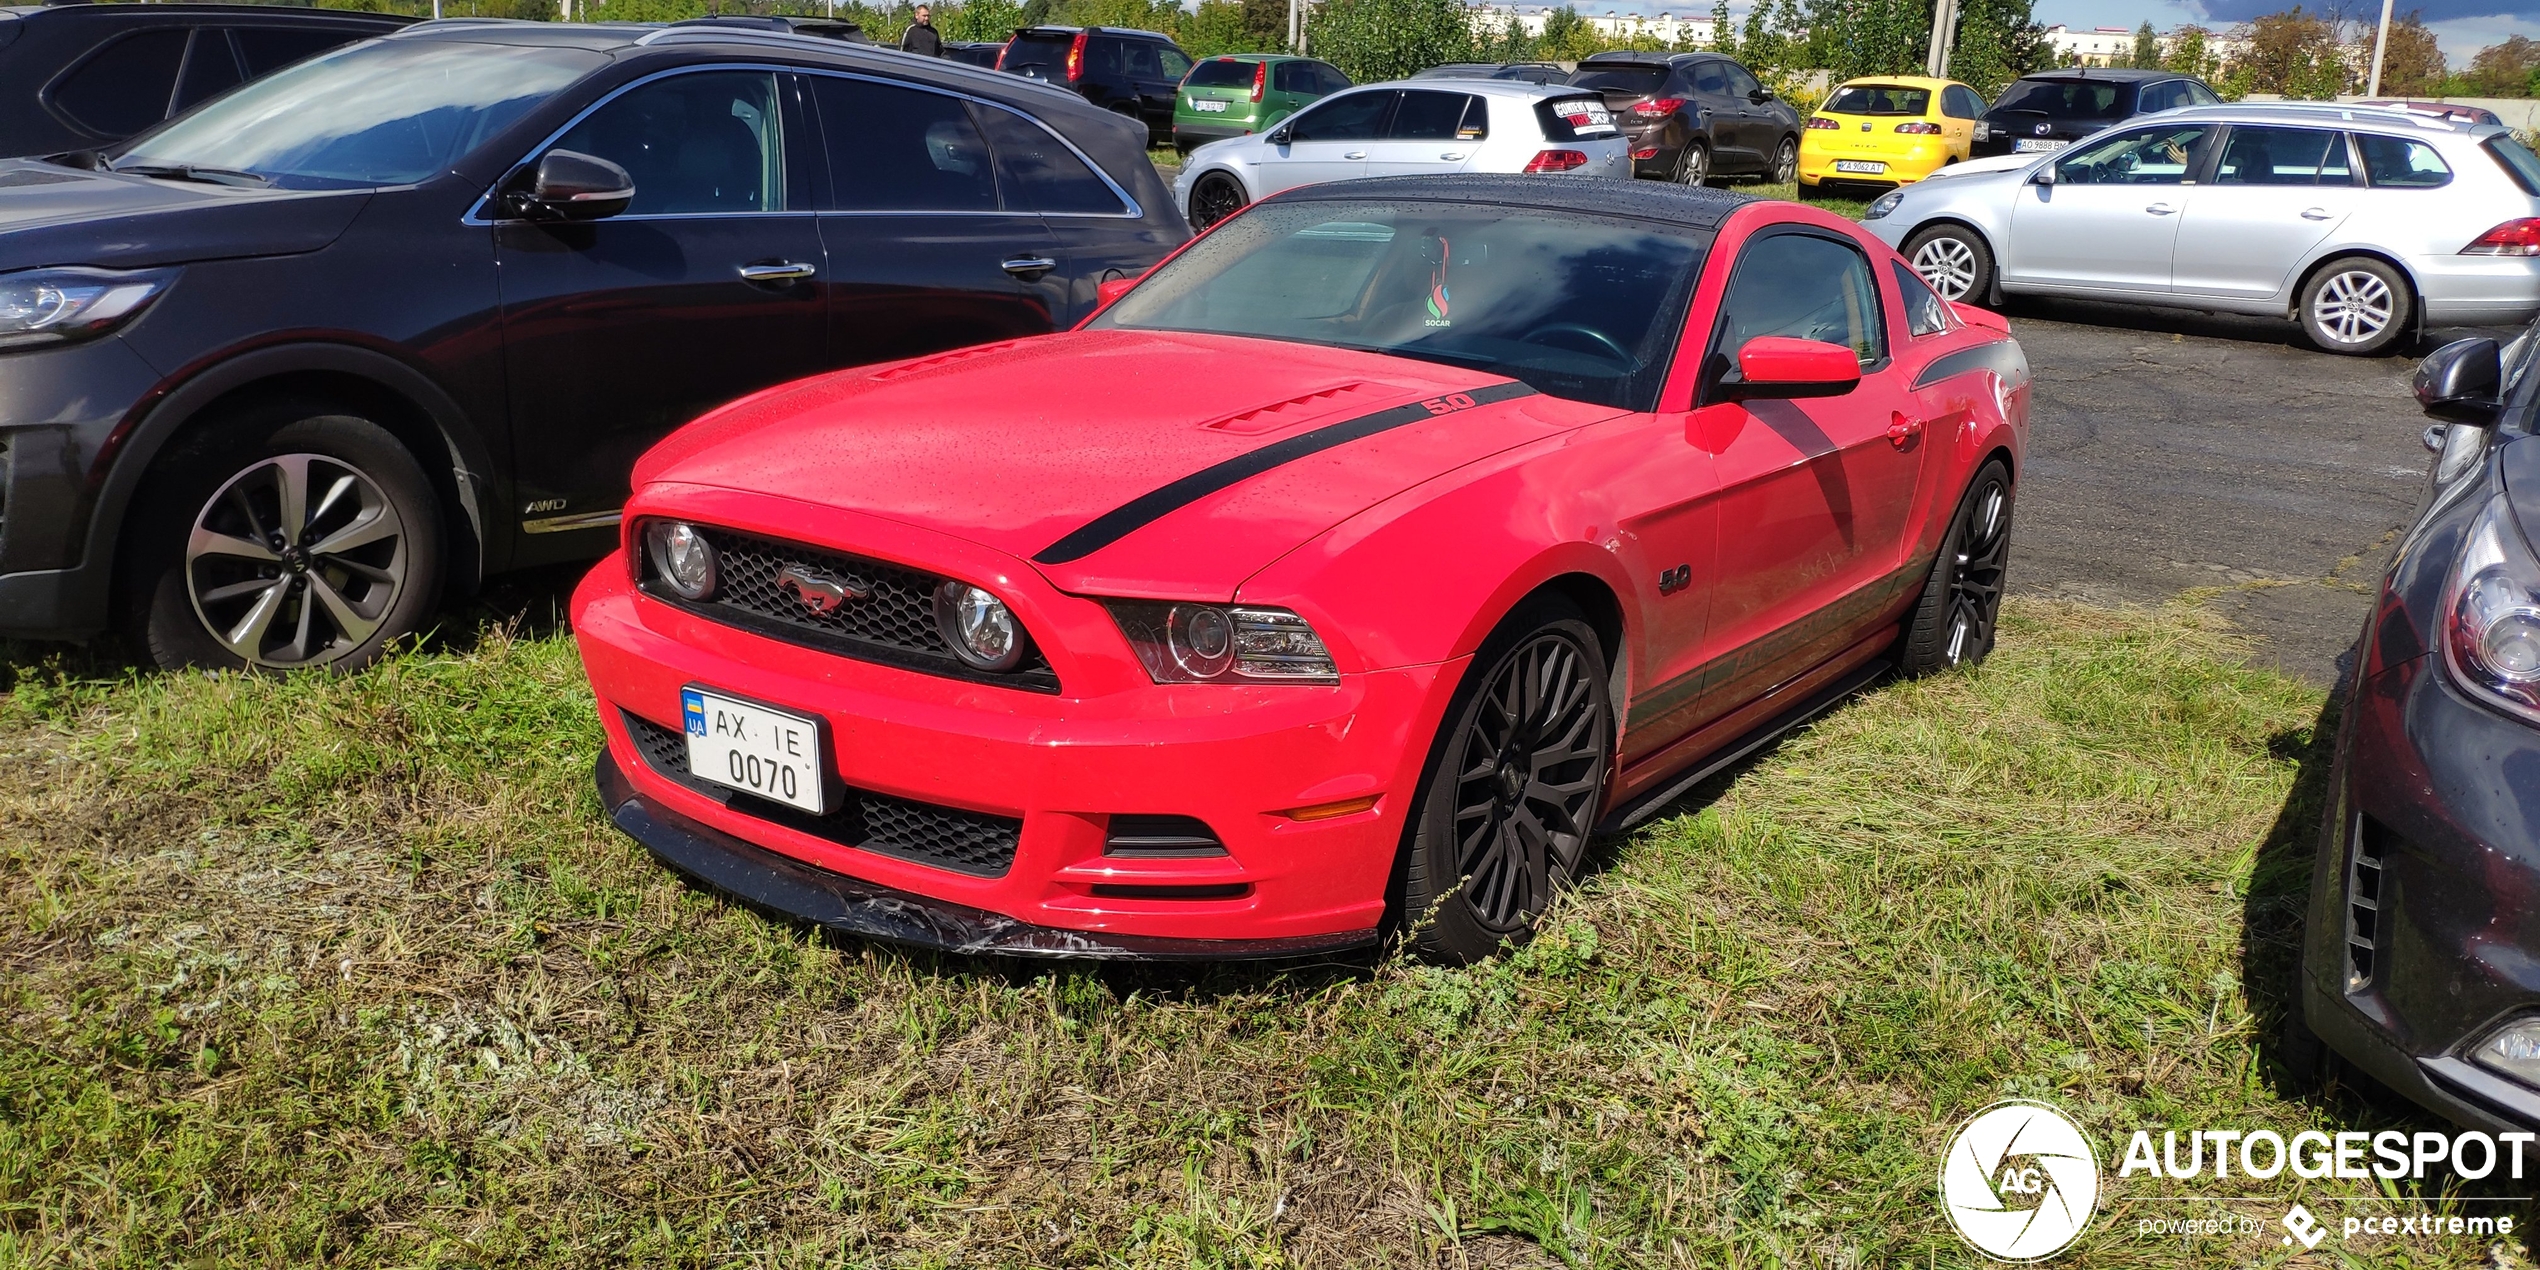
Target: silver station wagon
(2364, 224)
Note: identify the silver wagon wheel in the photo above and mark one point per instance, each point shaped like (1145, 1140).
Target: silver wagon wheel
(1949, 265)
(2353, 306)
(296, 561)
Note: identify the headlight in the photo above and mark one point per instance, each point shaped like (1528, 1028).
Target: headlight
(1886, 203)
(57, 306)
(2492, 614)
(1210, 643)
(980, 628)
(682, 558)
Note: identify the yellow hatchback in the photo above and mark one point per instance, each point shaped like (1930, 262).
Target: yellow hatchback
(1888, 130)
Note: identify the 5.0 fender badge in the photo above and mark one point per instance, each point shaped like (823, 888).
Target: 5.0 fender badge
(818, 591)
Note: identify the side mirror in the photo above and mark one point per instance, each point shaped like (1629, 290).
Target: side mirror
(2044, 175)
(1760, 96)
(1777, 366)
(2459, 381)
(1282, 135)
(1111, 289)
(570, 185)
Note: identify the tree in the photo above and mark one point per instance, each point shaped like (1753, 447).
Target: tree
(2411, 62)
(1998, 41)
(987, 20)
(1373, 40)
(2505, 70)
(2147, 48)
(2294, 53)
(2191, 53)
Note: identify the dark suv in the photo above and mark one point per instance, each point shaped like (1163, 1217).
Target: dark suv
(85, 75)
(1693, 116)
(2053, 109)
(1134, 73)
(277, 375)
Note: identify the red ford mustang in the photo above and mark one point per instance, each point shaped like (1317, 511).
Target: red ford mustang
(1347, 573)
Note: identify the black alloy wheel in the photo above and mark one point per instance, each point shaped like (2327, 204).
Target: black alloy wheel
(1514, 786)
(1214, 199)
(1785, 162)
(1693, 164)
(1953, 625)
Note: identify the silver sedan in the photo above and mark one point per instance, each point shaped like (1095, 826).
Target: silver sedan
(2363, 224)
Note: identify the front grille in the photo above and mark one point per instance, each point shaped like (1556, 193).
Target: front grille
(945, 837)
(893, 624)
(2364, 928)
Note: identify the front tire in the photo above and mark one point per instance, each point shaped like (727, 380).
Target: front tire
(1954, 260)
(284, 537)
(2357, 306)
(1514, 786)
(1953, 624)
(1215, 198)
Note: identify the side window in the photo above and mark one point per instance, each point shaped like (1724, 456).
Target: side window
(209, 67)
(123, 87)
(1960, 102)
(2143, 156)
(1356, 117)
(1925, 313)
(1104, 56)
(1708, 77)
(269, 48)
(1175, 64)
(2199, 95)
(1433, 116)
(1292, 77)
(898, 150)
(695, 144)
(2156, 97)
(1039, 173)
(2283, 156)
(1331, 78)
(1740, 82)
(1804, 287)
(2402, 163)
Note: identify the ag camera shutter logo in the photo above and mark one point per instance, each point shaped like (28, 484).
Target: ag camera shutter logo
(2019, 1181)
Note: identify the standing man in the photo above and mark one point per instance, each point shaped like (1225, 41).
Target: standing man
(921, 37)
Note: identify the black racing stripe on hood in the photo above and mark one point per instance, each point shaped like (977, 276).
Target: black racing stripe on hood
(2002, 357)
(1147, 508)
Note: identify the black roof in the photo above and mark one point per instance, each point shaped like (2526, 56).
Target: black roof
(1101, 30)
(1697, 207)
(2113, 74)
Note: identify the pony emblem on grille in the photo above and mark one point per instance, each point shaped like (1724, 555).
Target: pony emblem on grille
(818, 591)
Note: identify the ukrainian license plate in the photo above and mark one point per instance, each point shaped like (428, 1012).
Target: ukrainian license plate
(1208, 105)
(2038, 145)
(1859, 165)
(749, 747)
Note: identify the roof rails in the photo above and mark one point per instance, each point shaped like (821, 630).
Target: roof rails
(2349, 112)
(429, 25)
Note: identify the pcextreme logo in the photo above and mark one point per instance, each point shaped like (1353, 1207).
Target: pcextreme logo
(2019, 1181)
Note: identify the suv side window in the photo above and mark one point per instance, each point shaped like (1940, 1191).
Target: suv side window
(695, 144)
(2402, 163)
(1103, 56)
(899, 150)
(1740, 83)
(1434, 116)
(1960, 102)
(125, 85)
(1355, 117)
(2140, 156)
(1039, 173)
(1171, 61)
(1806, 287)
(2283, 156)
(1708, 77)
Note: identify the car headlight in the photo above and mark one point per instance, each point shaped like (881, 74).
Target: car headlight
(57, 306)
(978, 625)
(682, 558)
(1212, 643)
(1886, 203)
(2492, 614)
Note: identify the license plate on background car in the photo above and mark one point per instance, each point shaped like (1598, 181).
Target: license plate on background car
(1207, 106)
(2034, 145)
(1858, 165)
(749, 747)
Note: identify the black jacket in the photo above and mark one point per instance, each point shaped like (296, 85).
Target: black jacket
(922, 38)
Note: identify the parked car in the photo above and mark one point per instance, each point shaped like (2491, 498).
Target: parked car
(1406, 128)
(264, 402)
(1692, 116)
(1134, 73)
(1427, 559)
(980, 53)
(85, 75)
(1530, 72)
(1888, 130)
(1244, 93)
(2421, 953)
(2364, 225)
(2049, 110)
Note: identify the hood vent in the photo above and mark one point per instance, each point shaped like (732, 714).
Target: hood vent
(905, 369)
(1289, 413)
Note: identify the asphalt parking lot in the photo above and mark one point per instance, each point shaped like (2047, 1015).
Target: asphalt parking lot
(2174, 450)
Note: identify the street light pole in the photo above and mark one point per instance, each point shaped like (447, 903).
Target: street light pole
(2380, 45)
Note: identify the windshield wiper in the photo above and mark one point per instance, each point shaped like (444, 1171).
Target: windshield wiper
(189, 172)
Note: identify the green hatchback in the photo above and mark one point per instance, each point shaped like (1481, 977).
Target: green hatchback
(1246, 92)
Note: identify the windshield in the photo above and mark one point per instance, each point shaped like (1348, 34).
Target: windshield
(1630, 79)
(2066, 98)
(1879, 99)
(1574, 306)
(383, 113)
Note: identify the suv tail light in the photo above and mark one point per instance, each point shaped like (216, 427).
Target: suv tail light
(1076, 58)
(1820, 122)
(1657, 107)
(1556, 160)
(2513, 238)
(1260, 77)
(1920, 129)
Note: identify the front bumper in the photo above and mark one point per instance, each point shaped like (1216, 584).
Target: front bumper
(2410, 960)
(1057, 769)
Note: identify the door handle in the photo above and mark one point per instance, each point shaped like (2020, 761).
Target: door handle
(777, 271)
(2161, 209)
(1902, 431)
(2317, 213)
(1029, 268)
(1452, 154)
(1355, 154)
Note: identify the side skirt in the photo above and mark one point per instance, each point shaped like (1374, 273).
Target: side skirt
(1826, 698)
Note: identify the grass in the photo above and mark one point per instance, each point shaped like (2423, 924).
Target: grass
(350, 970)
